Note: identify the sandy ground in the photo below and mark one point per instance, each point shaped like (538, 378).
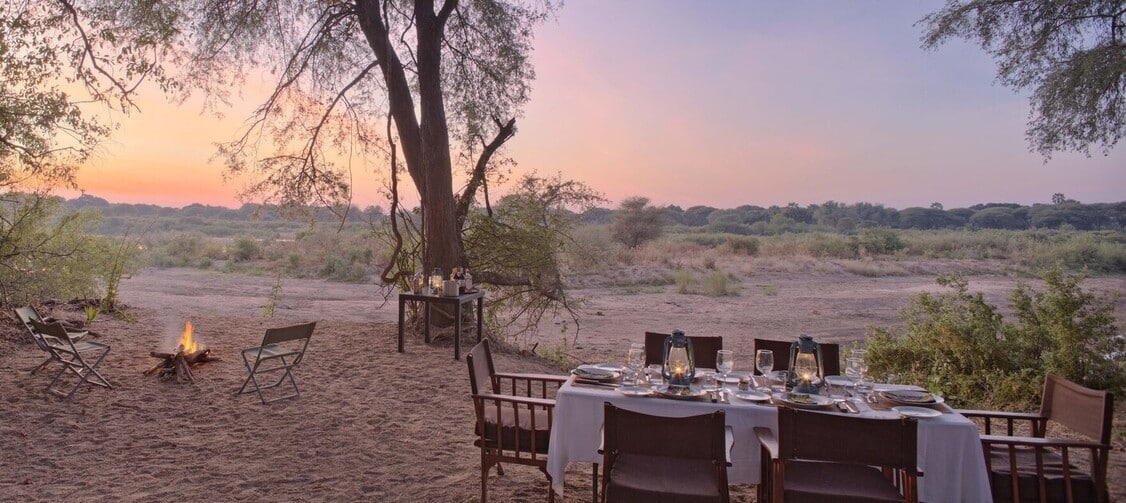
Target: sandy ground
(371, 424)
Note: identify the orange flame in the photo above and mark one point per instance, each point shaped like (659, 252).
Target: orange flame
(186, 342)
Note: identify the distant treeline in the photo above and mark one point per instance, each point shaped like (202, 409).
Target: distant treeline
(745, 220)
(757, 220)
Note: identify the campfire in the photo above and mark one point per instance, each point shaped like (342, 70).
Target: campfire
(179, 364)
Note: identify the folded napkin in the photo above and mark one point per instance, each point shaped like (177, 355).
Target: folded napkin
(593, 373)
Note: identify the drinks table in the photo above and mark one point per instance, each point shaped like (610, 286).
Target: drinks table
(456, 301)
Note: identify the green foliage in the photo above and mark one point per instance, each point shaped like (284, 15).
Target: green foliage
(958, 344)
(742, 245)
(1068, 53)
(718, 284)
(878, 241)
(636, 222)
(685, 281)
(46, 252)
(245, 250)
(91, 313)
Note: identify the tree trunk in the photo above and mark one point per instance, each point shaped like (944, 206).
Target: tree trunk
(425, 140)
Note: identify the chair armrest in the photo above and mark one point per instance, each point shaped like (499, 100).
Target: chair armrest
(1036, 421)
(768, 441)
(1041, 442)
(994, 414)
(532, 377)
(525, 400)
(537, 385)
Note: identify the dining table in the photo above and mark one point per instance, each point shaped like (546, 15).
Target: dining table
(949, 446)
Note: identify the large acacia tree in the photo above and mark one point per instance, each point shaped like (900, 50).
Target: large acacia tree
(429, 87)
(1070, 54)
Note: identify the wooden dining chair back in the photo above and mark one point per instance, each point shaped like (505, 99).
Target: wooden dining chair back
(656, 458)
(818, 456)
(704, 349)
(1037, 468)
(80, 358)
(281, 351)
(514, 413)
(830, 353)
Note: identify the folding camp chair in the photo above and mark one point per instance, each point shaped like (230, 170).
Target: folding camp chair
(281, 351)
(78, 357)
(26, 315)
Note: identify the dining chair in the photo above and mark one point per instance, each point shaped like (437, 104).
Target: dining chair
(514, 413)
(834, 457)
(1038, 468)
(80, 358)
(703, 349)
(281, 351)
(663, 459)
(830, 352)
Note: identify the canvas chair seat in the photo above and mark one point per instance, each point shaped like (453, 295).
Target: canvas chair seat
(511, 433)
(818, 482)
(281, 351)
(648, 478)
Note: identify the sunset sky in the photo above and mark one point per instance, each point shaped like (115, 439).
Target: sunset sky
(718, 103)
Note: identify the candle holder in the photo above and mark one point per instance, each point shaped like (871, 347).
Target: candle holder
(679, 365)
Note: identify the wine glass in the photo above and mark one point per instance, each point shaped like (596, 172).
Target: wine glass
(724, 364)
(764, 362)
(635, 359)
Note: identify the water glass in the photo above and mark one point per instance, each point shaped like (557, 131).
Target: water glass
(655, 377)
(635, 360)
(854, 369)
(724, 363)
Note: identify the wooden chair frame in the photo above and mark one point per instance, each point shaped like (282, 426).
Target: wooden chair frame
(830, 352)
(518, 396)
(703, 349)
(1066, 403)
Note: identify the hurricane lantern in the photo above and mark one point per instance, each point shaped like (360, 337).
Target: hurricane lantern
(679, 365)
(805, 360)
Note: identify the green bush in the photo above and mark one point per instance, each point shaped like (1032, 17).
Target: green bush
(879, 241)
(246, 249)
(958, 344)
(717, 284)
(743, 245)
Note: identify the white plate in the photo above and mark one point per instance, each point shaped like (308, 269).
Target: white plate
(902, 397)
(616, 367)
(920, 412)
(816, 401)
(752, 396)
(681, 393)
(634, 391)
(839, 381)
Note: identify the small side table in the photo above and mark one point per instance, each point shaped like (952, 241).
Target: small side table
(457, 302)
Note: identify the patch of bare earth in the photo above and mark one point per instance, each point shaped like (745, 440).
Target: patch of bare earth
(371, 424)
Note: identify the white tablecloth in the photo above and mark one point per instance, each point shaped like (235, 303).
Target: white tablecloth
(950, 454)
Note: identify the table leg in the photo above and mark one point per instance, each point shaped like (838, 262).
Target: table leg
(426, 332)
(457, 330)
(480, 317)
(400, 325)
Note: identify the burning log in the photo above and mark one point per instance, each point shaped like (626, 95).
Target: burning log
(179, 364)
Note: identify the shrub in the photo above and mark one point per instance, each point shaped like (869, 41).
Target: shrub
(246, 249)
(717, 284)
(743, 245)
(637, 222)
(685, 281)
(879, 241)
(959, 345)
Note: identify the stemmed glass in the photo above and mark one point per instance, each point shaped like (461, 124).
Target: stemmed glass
(724, 364)
(635, 359)
(764, 362)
